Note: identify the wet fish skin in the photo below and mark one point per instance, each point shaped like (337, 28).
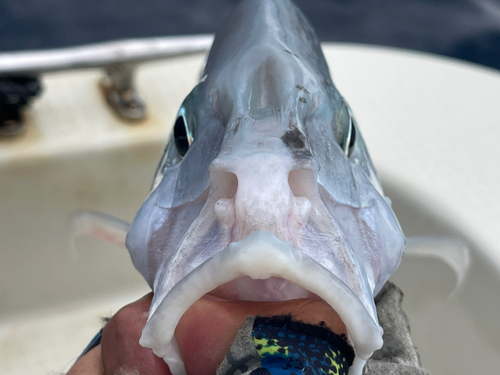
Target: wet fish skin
(274, 156)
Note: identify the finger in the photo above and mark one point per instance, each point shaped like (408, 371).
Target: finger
(89, 364)
(204, 334)
(121, 352)
(206, 331)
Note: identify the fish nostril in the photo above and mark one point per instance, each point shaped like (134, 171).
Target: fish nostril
(301, 182)
(224, 184)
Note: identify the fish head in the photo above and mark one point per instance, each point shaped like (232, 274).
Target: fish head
(266, 190)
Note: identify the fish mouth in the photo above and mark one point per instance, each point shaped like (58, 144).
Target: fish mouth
(272, 289)
(261, 267)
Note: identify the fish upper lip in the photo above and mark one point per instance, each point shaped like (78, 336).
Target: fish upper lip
(246, 258)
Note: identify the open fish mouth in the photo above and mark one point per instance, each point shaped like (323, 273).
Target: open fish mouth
(276, 271)
(272, 289)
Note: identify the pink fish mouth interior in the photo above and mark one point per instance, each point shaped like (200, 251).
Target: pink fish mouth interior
(276, 296)
(272, 289)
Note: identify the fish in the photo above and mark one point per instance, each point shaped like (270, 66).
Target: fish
(265, 190)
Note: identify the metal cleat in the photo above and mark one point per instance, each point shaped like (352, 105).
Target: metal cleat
(118, 88)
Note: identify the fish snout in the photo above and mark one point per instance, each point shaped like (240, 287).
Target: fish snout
(259, 193)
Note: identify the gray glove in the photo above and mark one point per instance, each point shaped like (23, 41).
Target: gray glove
(399, 354)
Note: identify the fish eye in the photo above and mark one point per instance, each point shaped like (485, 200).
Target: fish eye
(181, 138)
(182, 135)
(351, 138)
(345, 129)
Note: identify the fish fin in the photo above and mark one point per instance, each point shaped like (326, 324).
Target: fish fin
(98, 225)
(452, 251)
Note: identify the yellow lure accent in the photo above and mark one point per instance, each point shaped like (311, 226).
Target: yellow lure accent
(268, 350)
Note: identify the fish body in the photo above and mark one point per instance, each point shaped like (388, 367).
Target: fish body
(266, 190)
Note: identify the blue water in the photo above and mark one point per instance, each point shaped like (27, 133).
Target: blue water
(465, 29)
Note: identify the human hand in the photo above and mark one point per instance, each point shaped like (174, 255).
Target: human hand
(204, 334)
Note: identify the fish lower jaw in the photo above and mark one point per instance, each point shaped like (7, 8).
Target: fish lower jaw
(260, 267)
